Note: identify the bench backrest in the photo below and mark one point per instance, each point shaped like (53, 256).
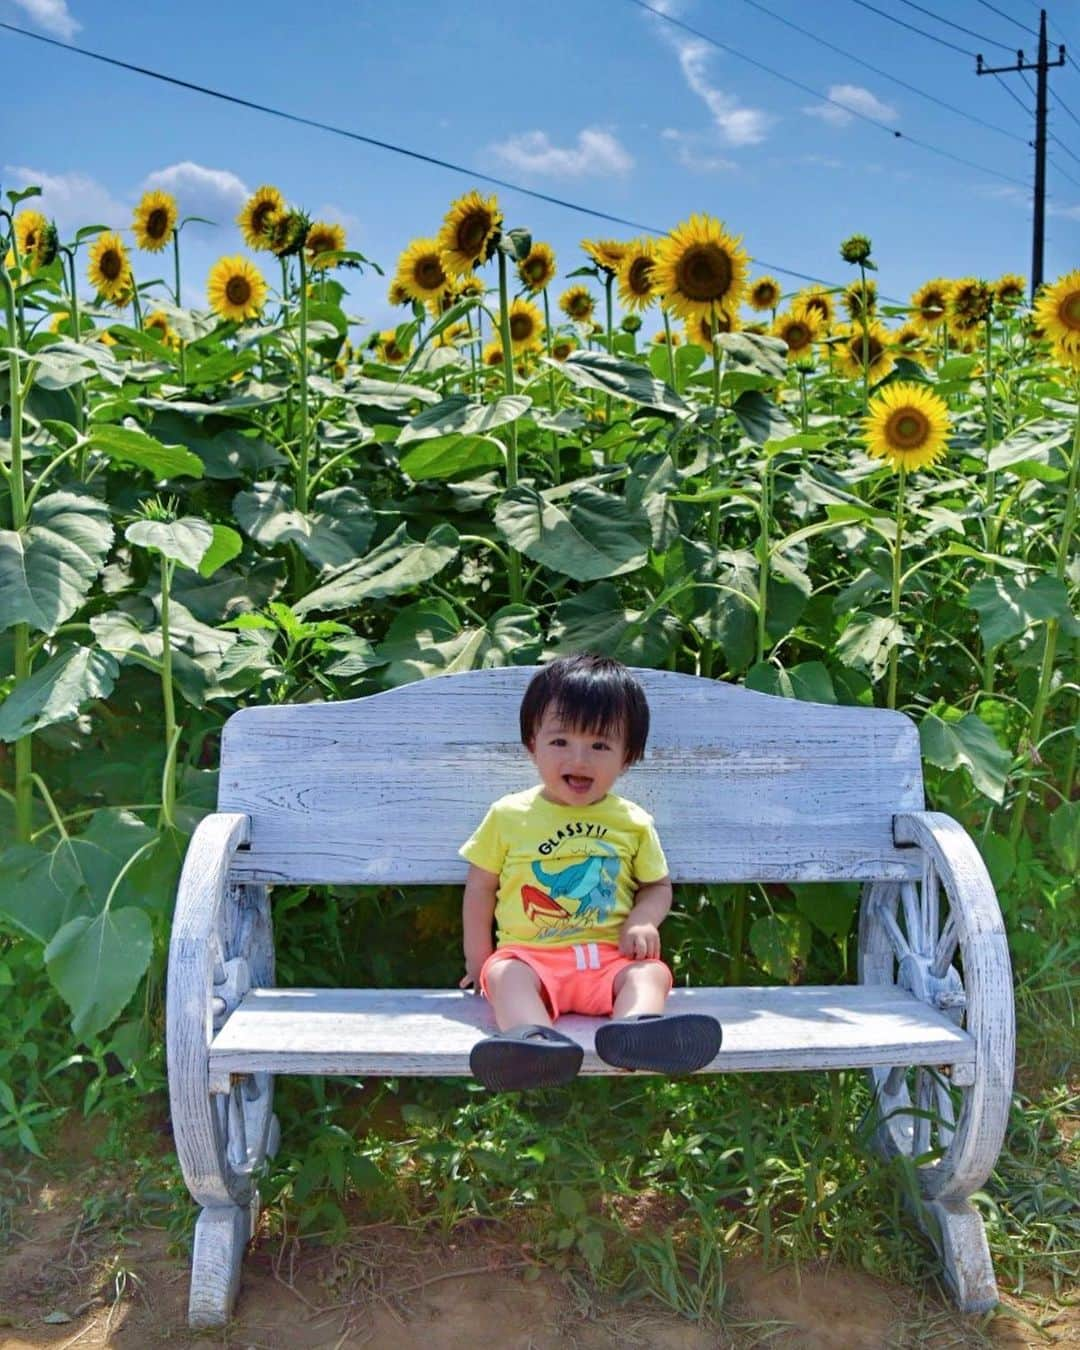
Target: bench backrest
(743, 786)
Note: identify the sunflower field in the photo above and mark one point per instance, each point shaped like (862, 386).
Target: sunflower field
(827, 495)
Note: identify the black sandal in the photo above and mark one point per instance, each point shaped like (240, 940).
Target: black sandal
(662, 1043)
(525, 1057)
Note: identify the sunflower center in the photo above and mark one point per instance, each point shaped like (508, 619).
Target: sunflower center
(704, 272)
(798, 335)
(261, 216)
(534, 269)
(521, 327)
(429, 273)
(157, 223)
(1069, 313)
(580, 307)
(819, 305)
(907, 429)
(640, 275)
(238, 290)
(472, 232)
(111, 265)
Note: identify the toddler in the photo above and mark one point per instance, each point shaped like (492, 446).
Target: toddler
(578, 885)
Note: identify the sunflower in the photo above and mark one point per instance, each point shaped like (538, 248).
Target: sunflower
(537, 268)
(1057, 314)
(606, 253)
(155, 220)
(526, 326)
(971, 303)
(109, 271)
(397, 294)
(449, 337)
(909, 341)
(701, 330)
(818, 302)
(637, 275)
(388, 350)
(287, 232)
(236, 288)
(860, 297)
(908, 425)
(157, 325)
(1009, 290)
(103, 336)
(660, 339)
(700, 269)
(492, 354)
(420, 271)
(562, 346)
(257, 214)
(849, 351)
(30, 226)
(438, 305)
(929, 303)
(60, 322)
(799, 330)
(764, 294)
(324, 237)
(470, 233)
(577, 304)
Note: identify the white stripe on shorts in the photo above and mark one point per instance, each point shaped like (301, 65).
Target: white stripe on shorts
(594, 956)
(579, 955)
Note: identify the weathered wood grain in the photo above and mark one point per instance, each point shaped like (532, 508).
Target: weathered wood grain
(429, 1032)
(744, 786)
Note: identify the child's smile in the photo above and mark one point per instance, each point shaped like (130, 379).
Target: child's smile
(578, 768)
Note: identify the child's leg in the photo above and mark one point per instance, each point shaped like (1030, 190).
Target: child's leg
(514, 990)
(640, 989)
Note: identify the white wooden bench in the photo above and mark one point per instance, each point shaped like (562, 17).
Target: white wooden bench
(743, 786)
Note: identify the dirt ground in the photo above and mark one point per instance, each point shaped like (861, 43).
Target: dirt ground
(66, 1282)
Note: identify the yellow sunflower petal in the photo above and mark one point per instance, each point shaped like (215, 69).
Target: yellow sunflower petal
(236, 288)
(155, 220)
(470, 232)
(700, 269)
(908, 425)
(257, 214)
(109, 270)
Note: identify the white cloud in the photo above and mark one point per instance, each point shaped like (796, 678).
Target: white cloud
(855, 97)
(72, 199)
(596, 152)
(337, 215)
(822, 161)
(52, 15)
(694, 155)
(1065, 212)
(736, 124)
(215, 194)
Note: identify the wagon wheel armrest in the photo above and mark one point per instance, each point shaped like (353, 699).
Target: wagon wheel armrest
(205, 873)
(952, 853)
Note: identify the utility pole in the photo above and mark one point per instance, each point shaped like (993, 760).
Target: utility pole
(1041, 66)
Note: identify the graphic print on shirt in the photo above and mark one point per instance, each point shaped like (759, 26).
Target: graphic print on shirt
(589, 883)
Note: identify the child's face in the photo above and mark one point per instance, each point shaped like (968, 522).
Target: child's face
(577, 768)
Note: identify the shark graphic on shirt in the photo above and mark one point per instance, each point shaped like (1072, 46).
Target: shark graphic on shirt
(590, 882)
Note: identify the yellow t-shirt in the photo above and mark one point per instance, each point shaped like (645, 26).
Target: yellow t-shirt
(566, 873)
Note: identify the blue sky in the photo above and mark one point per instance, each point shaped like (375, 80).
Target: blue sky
(596, 102)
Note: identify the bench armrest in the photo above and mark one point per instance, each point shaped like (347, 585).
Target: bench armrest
(958, 864)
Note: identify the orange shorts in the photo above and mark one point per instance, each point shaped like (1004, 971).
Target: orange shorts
(575, 979)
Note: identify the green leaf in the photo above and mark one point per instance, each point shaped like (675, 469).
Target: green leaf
(97, 964)
(1065, 835)
(446, 456)
(830, 906)
(227, 450)
(224, 546)
(867, 640)
(592, 534)
(334, 532)
(185, 541)
(47, 569)
(398, 564)
(760, 417)
(427, 638)
(56, 691)
(1008, 605)
(571, 1203)
(755, 352)
(464, 414)
(1034, 452)
(781, 944)
(597, 620)
(128, 446)
(809, 681)
(970, 743)
(624, 379)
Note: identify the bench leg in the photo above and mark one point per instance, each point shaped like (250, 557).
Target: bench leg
(221, 1234)
(957, 1231)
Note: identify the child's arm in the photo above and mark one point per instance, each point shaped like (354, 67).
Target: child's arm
(640, 934)
(477, 908)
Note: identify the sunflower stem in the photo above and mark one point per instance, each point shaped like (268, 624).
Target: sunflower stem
(1046, 672)
(897, 564)
(555, 468)
(989, 655)
(176, 264)
(80, 388)
(805, 412)
(302, 465)
(865, 325)
(670, 348)
(764, 521)
(22, 660)
(511, 430)
(168, 779)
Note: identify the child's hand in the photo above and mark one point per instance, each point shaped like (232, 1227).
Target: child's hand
(472, 973)
(639, 939)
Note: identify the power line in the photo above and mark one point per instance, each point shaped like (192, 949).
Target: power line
(814, 37)
(1058, 141)
(1061, 103)
(1058, 169)
(959, 27)
(1001, 13)
(381, 145)
(1013, 94)
(1026, 83)
(816, 93)
(911, 27)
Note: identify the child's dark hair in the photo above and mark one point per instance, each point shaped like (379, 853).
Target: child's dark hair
(590, 693)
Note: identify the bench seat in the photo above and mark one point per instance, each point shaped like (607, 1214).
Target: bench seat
(429, 1032)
